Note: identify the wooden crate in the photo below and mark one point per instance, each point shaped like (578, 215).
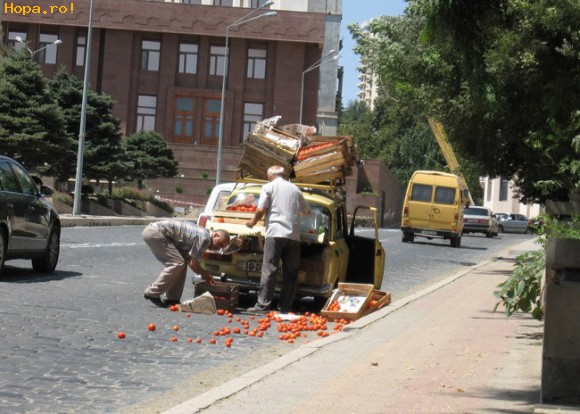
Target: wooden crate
(382, 298)
(360, 291)
(225, 294)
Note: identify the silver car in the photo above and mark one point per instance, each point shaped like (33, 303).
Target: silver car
(512, 223)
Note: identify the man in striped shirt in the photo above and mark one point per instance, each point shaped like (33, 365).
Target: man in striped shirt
(282, 203)
(179, 244)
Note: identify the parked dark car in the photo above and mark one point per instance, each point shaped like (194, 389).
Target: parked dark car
(29, 225)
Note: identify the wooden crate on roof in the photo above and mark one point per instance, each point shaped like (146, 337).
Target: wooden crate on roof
(347, 141)
(260, 153)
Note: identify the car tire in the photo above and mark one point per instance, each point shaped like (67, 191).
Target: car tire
(47, 263)
(2, 250)
(455, 241)
(489, 234)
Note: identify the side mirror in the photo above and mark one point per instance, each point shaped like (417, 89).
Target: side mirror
(46, 190)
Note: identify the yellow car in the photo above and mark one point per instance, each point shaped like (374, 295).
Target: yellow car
(330, 252)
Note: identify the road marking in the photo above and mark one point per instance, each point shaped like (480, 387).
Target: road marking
(94, 245)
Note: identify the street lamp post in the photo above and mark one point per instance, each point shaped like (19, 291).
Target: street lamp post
(82, 128)
(19, 40)
(243, 20)
(329, 57)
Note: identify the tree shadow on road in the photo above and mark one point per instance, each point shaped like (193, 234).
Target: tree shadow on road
(522, 400)
(22, 275)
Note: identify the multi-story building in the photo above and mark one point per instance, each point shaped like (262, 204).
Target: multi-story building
(163, 61)
(368, 79)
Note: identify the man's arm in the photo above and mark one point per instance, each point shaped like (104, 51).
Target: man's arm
(258, 215)
(196, 267)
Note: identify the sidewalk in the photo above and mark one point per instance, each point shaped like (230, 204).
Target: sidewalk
(442, 350)
(70, 220)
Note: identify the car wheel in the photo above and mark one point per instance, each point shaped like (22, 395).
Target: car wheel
(455, 241)
(489, 234)
(2, 250)
(47, 263)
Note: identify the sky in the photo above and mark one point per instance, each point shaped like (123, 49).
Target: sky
(358, 11)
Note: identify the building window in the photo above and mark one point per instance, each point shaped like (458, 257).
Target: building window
(256, 63)
(46, 49)
(253, 112)
(211, 118)
(188, 1)
(217, 60)
(187, 58)
(503, 189)
(223, 3)
(254, 4)
(13, 43)
(81, 50)
(146, 108)
(184, 118)
(150, 55)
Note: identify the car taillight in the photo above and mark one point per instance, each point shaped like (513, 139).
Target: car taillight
(202, 221)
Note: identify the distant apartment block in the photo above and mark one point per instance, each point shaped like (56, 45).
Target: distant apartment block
(368, 79)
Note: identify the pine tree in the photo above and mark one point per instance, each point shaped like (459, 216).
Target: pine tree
(150, 156)
(31, 123)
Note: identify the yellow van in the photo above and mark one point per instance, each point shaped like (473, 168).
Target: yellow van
(433, 207)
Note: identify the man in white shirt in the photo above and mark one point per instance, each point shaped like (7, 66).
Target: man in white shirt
(283, 204)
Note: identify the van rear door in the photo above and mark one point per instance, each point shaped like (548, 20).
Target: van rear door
(419, 205)
(444, 209)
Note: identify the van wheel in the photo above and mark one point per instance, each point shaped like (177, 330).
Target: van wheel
(408, 237)
(455, 241)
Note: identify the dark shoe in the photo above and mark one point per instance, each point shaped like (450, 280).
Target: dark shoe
(170, 302)
(155, 301)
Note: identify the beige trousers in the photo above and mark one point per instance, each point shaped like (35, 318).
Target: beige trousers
(171, 280)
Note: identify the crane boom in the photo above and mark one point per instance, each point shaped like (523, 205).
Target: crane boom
(447, 150)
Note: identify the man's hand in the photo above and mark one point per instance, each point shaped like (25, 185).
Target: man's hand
(208, 279)
(251, 223)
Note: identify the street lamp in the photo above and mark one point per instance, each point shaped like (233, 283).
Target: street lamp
(82, 128)
(243, 20)
(329, 57)
(19, 40)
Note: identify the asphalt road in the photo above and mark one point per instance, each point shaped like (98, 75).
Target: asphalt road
(60, 351)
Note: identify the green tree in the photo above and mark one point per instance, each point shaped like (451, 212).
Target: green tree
(149, 155)
(103, 155)
(31, 123)
(517, 110)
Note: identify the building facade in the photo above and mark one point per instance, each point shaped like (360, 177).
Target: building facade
(163, 61)
(368, 79)
(501, 196)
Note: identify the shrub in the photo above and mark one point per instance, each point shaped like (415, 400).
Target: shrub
(522, 291)
(131, 193)
(63, 198)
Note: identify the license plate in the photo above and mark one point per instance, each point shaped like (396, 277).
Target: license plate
(249, 266)
(429, 232)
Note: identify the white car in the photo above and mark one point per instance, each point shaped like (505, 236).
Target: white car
(478, 219)
(217, 201)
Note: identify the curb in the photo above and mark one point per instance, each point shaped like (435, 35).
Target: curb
(205, 400)
(67, 220)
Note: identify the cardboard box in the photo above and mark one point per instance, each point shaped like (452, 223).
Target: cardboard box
(355, 298)
(224, 294)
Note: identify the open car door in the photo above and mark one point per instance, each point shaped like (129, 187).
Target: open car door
(367, 257)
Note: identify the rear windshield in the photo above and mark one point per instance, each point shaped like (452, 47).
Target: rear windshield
(474, 211)
(445, 195)
(421, 192)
